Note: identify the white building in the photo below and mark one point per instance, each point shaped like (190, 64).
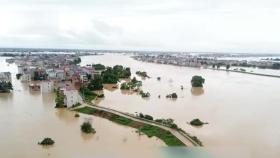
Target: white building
(26, 77)
(47, 86)
(83, 78)
(51, 73)
(5, 76)
(60, 74)
(71, 96)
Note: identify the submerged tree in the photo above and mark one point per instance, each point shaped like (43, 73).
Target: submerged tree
(5, 86)
(227, 67)
(197, 81)
(87, 128)
(96, 83)
(46, 141)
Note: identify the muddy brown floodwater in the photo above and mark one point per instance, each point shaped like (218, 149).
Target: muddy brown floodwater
(242, 110)
(27, 117)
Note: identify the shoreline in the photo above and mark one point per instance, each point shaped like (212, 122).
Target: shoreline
(251, 73)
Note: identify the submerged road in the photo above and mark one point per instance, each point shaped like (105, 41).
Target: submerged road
(185, 138)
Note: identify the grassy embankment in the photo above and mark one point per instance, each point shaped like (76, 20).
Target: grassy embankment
(149, 130)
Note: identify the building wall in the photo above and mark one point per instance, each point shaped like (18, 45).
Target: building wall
(47, 87)
(71, 98)
(26, 77)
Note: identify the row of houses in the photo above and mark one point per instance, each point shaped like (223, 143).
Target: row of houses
(198, 61)
(55, 72)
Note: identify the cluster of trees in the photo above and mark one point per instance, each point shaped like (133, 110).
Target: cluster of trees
(109, 75)
(87, 93)
(59, 100)
(142, 73)
(98, 66)
(112, 75)
(197, 81)
(147, 117)
(167, 122)
(144, 95)
(5, 86)
(96, 83)
(197, 122)
(172, 95)
(86, 127)
(77, 61)
(46, 141)
(134, 84)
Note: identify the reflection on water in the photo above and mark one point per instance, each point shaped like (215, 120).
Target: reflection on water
(6, 96)
(128, 92)
(110, 87)
(88, 137)
(196, 91)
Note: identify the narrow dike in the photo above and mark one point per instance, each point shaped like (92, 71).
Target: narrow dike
(166, 136)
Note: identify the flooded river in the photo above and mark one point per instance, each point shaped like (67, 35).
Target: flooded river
(27, 117)
(242, 110)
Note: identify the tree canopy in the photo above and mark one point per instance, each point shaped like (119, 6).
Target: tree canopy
(197, 81)
(5, 86)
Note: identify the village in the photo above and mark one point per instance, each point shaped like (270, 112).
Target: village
(52, 72)
(197, 60)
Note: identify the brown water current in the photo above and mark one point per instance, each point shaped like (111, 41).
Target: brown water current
(242, 110)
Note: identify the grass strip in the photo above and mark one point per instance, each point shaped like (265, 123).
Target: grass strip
(149, 130)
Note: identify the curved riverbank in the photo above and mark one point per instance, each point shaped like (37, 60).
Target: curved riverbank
(182, 136)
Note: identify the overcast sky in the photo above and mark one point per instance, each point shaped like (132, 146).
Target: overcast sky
(183, 25)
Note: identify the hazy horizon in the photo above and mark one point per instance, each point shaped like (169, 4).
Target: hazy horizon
(241, 26)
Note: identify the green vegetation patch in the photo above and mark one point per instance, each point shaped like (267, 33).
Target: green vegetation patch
(197, 122)
(59, 99)
(46, 141)
(166, 136)
(87, 110)
(149, 130)
(87, 94)
(172, 95)
(134, 84)
(98, 66)
(142, 74)
(197, 81)
(5, 86)
(86, 127)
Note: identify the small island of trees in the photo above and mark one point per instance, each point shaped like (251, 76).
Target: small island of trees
(86, 127)
(197, 81)
(142, 74)
(147, 117)
(134, 84)
(172, 95)
(144, 95)
(197, 122)
(46, 141)
(5, 87)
